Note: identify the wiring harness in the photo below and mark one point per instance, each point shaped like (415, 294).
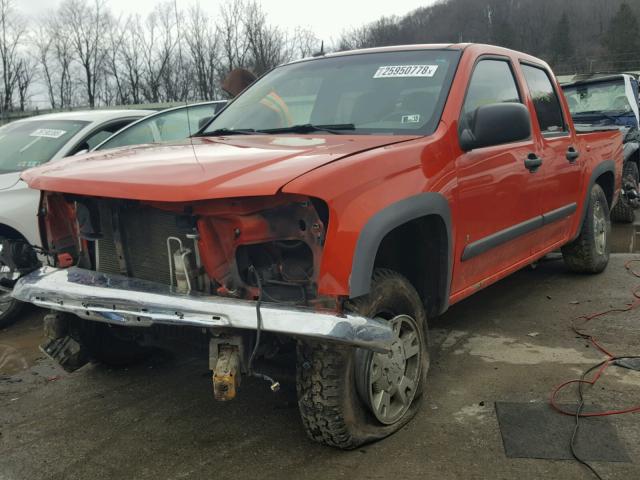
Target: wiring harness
(599, 369)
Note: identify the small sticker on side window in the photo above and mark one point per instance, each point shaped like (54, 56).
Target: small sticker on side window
(48, 133)
(405, 71)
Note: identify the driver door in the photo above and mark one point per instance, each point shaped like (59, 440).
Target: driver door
(498, 197)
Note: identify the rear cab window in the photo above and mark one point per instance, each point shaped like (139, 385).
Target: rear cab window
(545, 101)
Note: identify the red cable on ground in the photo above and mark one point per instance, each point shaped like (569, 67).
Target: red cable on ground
(635, 303)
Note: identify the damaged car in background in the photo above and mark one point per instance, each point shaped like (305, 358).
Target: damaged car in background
(611, 101)
(327, 211)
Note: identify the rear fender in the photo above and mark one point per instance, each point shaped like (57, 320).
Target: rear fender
(598, 171)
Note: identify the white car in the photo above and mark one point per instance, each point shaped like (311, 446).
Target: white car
(32, 142)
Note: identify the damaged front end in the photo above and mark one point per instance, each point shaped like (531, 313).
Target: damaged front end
(231, 267)
(205, 247)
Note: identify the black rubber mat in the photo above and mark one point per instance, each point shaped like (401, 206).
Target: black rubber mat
(535, 430)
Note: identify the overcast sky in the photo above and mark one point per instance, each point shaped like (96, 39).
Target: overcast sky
(328, 18)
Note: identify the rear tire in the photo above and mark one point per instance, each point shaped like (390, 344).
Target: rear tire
(9, 311)
(589, 252)
(9, 307)
(337, 393)
(624, 210)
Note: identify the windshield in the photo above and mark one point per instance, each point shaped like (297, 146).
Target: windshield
(29, 144)
(607, 97)
(392, 92)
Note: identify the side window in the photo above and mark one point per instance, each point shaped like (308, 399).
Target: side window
(98, 136)
(164, 127)
(545, 100)
(492, 82)
(135, 135)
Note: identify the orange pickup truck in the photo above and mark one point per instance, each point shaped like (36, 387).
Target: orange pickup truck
(331, 208)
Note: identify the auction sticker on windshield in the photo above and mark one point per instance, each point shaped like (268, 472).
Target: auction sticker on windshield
(404, 71)
(48, 133)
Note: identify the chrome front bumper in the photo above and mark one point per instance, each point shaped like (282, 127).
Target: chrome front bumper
(127, 301)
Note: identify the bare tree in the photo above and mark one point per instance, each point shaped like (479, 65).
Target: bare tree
(157, 42)
(267, 44)
(520, 24)
(304, 43)
(177, 78)
(131, 61)
(54, 53)
(202, 40)
(11, 36)
(25, 74)
(114, 72)
(85, 56)
(233, 40)
(43, 43)
(87, 26)
(63, 57)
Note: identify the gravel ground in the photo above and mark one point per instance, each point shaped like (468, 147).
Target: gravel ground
(510, 342)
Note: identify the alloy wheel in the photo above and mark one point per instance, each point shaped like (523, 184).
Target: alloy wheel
(387, 382)
(599, 228)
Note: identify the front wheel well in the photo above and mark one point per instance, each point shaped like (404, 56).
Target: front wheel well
(418, 250)
(7, 232)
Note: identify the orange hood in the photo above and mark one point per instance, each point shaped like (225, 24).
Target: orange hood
(220, 167)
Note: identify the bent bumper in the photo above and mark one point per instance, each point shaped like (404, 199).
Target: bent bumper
(128, 301)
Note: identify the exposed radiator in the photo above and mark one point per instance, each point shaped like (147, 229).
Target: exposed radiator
(144, 232)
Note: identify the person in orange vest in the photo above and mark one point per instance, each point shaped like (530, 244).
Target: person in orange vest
(275, 102)
(239, 79)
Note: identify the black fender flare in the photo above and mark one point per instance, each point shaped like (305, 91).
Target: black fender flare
(383, 222)
(601, 168)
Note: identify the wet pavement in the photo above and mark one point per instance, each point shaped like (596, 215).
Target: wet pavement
(626, 238)
(508, 343)
(19, 344)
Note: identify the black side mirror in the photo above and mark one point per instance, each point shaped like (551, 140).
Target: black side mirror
(495, 124)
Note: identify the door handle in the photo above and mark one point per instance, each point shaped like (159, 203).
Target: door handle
(532, 162)
(572, 154)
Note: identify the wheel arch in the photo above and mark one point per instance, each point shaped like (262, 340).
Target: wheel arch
(604, 175)
(8, 231)
(606, 180)
(412, 236)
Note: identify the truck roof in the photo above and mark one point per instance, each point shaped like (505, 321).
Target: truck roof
(490, 49)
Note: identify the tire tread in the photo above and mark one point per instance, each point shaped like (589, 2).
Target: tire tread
(580, 255)
(320, 379)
